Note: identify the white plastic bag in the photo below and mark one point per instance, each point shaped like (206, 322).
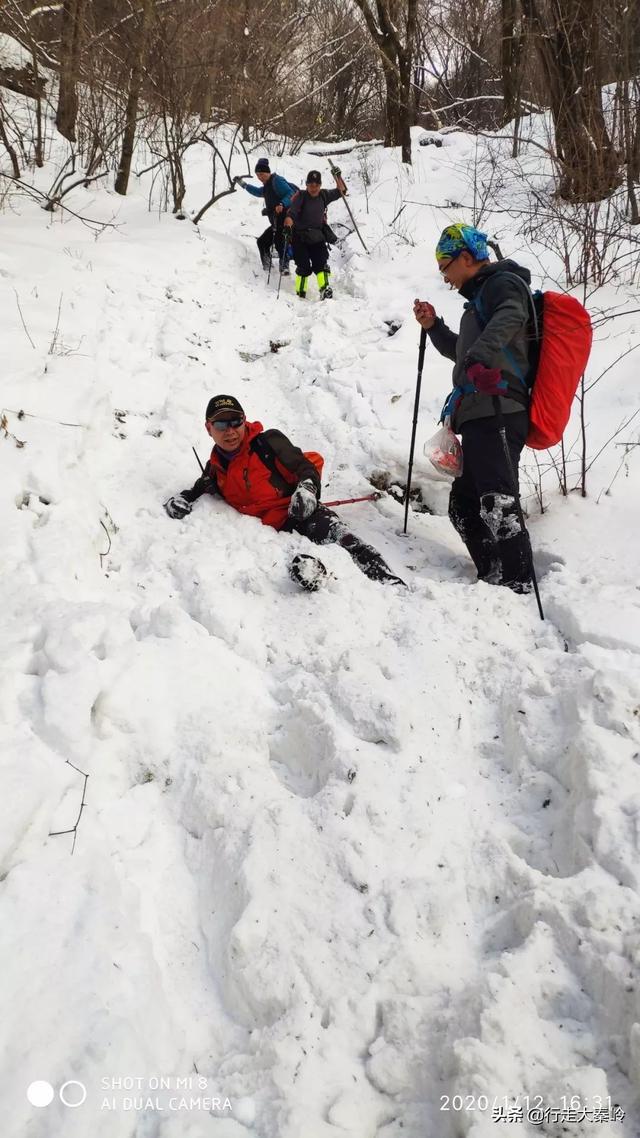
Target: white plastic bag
(444, 451)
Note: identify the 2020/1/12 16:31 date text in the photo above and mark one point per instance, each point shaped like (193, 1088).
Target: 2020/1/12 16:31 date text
(526, 1103)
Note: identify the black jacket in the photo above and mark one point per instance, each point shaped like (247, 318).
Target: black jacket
(501, 336)
(310, 213)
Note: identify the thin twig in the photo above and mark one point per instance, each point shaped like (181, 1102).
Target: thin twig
(23, 322)
(604, 446)
(108, 551)
(37, 195)
(45, 418)
(74, 829)
(54, 338)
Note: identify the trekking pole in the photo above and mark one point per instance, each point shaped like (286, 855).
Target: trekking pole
(516, 494)
(197, 459)
(348, 501)
(285, 240)
(287, 244)
(421, 351)
(337, 174)
(273, 237)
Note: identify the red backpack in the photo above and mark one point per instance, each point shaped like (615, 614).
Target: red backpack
(564, 347)
(563, 335)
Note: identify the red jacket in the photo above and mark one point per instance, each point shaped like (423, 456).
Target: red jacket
(247, 484)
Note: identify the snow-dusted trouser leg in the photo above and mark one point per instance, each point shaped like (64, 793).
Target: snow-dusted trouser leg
(465, 518)
(324, 527)
(500, 515)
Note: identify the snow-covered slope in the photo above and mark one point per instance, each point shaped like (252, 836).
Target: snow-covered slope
(343, 857)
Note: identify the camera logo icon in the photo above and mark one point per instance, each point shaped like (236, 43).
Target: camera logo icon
(72, 1093)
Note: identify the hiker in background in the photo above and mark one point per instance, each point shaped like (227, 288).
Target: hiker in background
(263, 474)
(308, 216)
(494, 361)
(278, 195)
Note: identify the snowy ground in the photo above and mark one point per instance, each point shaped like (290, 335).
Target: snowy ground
(345, 856)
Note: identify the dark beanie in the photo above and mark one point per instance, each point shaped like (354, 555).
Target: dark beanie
(314, 176)
(262, 166)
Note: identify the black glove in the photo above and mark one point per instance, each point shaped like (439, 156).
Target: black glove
(304, 501)
(178, 507)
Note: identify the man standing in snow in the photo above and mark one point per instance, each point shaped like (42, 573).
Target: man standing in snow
(263, 474)
(308, 215)
(493, 361)
(278, 195)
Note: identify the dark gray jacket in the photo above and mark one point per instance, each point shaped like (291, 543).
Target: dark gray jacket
(502, 337)
(309, 214)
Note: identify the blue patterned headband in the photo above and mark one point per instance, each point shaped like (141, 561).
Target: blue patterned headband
(459, 236)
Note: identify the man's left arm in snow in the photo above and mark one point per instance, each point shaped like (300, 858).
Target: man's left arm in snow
(206, 484)
(257, 191)
(179, 505)
(293, 459)
(506, 309)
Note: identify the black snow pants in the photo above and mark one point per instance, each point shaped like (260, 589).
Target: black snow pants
(309, 258)
(482, 503)
(324, 527)
(265, 239)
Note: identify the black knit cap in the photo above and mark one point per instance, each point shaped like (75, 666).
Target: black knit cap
(314, 176)
(224, 406)
(262, 166)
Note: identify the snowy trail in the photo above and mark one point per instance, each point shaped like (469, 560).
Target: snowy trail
(342, 855)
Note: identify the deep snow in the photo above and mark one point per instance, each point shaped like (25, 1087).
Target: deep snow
(343, 856)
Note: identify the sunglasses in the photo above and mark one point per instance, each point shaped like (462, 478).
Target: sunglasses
(225, 424)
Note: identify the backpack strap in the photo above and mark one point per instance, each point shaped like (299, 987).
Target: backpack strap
(264, 451)
(483, 320)
(477, 302)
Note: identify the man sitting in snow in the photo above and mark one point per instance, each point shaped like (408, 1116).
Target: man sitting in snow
(263, 474)
(493, 359)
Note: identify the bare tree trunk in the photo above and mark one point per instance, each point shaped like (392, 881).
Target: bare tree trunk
(511, 53)
(71, 50)
(567, 44)
(175, 151)
(15, 166)
(405, 110)
(393, 116)
(39, 142)
(133, 99)
(207, 96)
(630, 147)
(397, 51)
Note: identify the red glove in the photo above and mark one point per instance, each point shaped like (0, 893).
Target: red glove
(486, 380)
